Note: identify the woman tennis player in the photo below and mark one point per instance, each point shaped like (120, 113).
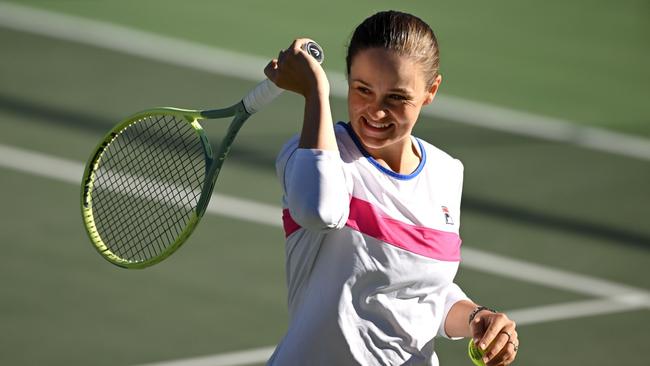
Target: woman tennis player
(371, 213)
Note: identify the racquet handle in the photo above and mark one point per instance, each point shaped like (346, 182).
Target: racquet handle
(266, 91)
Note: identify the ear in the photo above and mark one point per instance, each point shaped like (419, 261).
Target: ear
(434, 89)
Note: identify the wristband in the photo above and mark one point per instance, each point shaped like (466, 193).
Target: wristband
(477, 310)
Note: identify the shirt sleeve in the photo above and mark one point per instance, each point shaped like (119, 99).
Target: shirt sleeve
(315, 189)
(453, 294)
(457, 191)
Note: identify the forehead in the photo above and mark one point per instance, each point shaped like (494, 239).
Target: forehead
(384, 68)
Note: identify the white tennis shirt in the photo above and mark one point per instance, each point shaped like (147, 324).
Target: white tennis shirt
(371, 255)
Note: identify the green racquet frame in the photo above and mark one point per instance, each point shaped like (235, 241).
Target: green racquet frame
(212, 169)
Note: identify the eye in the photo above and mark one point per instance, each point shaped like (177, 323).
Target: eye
(363, 90)
(398, 97)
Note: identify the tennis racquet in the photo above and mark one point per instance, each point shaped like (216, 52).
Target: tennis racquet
(149, 180)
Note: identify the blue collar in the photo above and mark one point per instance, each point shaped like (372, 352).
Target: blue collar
(383, 169)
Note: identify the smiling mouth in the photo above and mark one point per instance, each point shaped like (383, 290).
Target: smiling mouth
(376, 125)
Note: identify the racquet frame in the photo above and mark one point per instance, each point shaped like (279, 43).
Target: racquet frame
(212, 169)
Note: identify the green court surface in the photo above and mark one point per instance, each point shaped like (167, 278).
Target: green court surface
(553, 205)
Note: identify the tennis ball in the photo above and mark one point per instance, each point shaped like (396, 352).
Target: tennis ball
(475, 354)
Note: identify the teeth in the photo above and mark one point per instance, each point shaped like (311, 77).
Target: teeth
(378, 125)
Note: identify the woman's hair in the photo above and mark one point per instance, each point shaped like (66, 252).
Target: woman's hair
(403, 33)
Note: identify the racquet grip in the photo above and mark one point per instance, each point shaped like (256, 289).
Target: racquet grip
(266, 91)
(260, 96)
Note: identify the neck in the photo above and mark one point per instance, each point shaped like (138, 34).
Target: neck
(401, 158)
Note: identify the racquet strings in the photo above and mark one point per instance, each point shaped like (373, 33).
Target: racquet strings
(147, 184)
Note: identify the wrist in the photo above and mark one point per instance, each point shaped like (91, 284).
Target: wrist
(320, 89)
(477, 310)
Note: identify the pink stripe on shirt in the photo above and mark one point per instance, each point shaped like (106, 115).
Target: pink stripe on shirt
(370, 220)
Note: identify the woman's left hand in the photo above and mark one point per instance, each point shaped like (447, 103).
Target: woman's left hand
(496, 335)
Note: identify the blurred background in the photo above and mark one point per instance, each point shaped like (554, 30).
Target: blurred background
(546, 103)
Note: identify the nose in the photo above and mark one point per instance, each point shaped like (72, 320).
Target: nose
(377, 110)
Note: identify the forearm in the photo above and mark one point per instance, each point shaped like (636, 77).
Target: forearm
(318, 130)
(457, 323)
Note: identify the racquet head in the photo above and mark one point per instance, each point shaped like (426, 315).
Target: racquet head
(142, 186)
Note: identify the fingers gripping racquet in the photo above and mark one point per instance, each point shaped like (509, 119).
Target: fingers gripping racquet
(149, 181)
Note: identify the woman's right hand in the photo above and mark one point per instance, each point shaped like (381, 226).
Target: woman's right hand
(297, 71)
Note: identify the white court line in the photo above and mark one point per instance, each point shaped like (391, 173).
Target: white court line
(201, 57)
(579, 309)
(542, 275)
(239, 358)
(71, 172)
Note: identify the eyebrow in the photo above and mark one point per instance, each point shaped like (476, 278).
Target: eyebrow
(394, 90)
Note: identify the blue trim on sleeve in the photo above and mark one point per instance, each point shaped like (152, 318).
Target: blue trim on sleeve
(374, 162)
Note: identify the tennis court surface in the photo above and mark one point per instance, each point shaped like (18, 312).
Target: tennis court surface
(554, 233)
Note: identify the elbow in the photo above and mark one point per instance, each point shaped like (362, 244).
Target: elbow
(316, 218)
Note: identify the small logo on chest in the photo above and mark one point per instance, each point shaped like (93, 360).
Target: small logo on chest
(448, 219)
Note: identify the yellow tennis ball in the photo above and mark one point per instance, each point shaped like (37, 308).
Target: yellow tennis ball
(475, 354)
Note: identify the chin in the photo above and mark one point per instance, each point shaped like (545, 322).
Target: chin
(372, 143)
